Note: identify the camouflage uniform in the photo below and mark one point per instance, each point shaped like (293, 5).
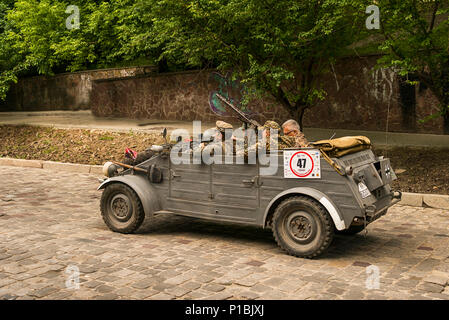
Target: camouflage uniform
(297, 138)
(300, 140)
(287, 142)
(220, 126)
(282, 141)
(225, 128)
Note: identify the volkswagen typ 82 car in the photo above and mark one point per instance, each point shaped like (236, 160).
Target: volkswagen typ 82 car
(335, 186)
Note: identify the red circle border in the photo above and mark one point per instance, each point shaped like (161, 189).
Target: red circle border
(293, 171)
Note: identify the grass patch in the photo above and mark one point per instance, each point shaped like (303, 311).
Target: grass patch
(106, 138)
(70, 145)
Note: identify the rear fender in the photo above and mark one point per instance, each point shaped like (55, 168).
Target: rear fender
(142, 187)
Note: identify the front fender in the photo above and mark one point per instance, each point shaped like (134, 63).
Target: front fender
(142, 187)
(318, 196)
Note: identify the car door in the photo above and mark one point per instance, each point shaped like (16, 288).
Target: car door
(235, 192)
(190, 190)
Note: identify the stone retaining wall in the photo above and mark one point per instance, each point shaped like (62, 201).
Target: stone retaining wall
(359, 96)
(67, 91)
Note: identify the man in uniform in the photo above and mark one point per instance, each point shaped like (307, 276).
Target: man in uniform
(223, 136)
(291, 129)
(281, 143)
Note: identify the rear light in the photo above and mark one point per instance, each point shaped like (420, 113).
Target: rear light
(349, 171)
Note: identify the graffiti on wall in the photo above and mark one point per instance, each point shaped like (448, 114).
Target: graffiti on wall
(232, 90)
(381, 83)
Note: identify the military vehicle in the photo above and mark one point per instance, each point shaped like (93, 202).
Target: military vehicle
(315, 192)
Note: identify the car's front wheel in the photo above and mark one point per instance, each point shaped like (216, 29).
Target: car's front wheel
(121, 208)
(302, 227)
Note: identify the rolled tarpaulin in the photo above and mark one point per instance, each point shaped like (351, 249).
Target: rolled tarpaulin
(342, 146)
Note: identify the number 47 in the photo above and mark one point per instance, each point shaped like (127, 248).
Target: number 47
(301, 163)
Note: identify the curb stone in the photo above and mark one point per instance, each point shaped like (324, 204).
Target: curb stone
(409, 199)
(21, 163)
(435, 201)
(61, 166)
(96, 170)
(438, 201)
(412, 199)
(52, 165)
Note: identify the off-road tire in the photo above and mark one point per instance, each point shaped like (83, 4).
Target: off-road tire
(118, 194)
(320, 233)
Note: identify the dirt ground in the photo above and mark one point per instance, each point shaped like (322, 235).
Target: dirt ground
(424, 170)
(71, 145)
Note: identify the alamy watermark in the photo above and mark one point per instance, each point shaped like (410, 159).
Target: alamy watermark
(373, 21)
(372, 281)
(73, 278)
(73, 20)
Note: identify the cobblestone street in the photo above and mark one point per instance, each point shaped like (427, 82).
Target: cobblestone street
(50, 224)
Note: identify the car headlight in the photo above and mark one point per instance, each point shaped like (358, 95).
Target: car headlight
(109, 169)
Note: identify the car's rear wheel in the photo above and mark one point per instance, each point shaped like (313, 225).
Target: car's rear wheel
(302, 227)
(121, 208)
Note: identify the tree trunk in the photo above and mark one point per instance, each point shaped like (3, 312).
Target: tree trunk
(408, 105)
(446, 123)
(296, 111)
(446, 115)
(298, 114)
(162, 66)
(301, 111)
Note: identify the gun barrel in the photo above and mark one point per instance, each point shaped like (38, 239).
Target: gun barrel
(240, 114)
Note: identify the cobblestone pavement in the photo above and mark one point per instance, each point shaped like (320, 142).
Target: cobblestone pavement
(50, 222)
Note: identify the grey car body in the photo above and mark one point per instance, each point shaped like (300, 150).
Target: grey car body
(238, 193)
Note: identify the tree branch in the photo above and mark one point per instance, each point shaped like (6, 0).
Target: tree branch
(434, 14)
(282, 98)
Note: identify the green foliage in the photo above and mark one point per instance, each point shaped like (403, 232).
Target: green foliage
(34, 38)
(6, 55)
(416, 44)
(31, 39)
(106, 138)
(275, 47)
(279, 47)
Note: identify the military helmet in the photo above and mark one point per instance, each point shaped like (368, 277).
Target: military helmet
(222, 126)
(272, 125)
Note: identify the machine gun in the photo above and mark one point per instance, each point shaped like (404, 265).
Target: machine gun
(247, 121)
